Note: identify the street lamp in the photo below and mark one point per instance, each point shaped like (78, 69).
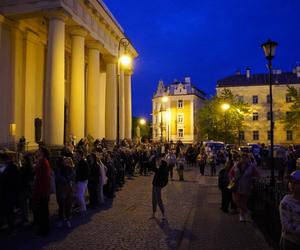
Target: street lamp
(141, 122)
(225, 107)
(124, 60)
(168, 116)
(269, 48)
(162, 108)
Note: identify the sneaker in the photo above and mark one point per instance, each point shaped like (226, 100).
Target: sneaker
(68, 224)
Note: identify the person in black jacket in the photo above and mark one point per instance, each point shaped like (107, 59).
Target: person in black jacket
(9, 188)
(82, 175)
(160, 180)
(93, 183)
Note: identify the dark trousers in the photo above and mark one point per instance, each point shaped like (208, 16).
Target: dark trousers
(171, 167)
(202, 167)
(156, 199)
(213, 169)
(41, 215)
(288, 245)
(93, 193)
(64, 200)
(227, 200)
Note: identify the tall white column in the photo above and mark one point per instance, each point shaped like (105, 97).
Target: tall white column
(128, 113)
(94, 94)
(30, 86)
(77, 100)
(55, 88)
(122, 106)
(111, 102)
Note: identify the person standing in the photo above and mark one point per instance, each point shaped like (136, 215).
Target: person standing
(160, 180)
(82, 175)
(242, 174)
(41, 191)
(64, 178)
(201, 160)
(223, 182)
(180, 166)
(9, 189)
(171, 159)
(212, 162)
(93, 181)
(289, 210)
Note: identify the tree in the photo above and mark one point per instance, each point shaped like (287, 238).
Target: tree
(211, 118)
(292, 119)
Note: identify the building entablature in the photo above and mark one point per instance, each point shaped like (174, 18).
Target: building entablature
(91, 15)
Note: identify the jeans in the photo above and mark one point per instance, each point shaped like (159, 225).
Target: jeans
(156, 198)
(80, 194)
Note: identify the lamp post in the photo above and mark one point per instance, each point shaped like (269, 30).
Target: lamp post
(141, 122)
(168, 124)
(225, 107)
(162, 108)
(269, 48)
(122, 60)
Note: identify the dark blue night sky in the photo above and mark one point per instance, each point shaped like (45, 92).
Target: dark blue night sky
(204, 39)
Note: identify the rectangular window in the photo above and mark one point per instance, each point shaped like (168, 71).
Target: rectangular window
(289, 135)
(255, 116)
(269, 116)
(288, 98)
(180, 104)
(242, 135)
(180, 118)
(255, 135)
(269, 135)
(255, 99)
(288, 114)
(180, 133)
(268, 99)
(240, 98)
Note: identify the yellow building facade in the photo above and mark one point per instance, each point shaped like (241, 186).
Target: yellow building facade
(173, 111)
(59, 72)
(254, 90)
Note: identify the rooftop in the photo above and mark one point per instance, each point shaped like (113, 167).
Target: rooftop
(259, 79)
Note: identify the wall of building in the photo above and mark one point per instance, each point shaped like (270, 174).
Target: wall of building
(280, 107)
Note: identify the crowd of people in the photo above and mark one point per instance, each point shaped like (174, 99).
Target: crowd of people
(93, 167)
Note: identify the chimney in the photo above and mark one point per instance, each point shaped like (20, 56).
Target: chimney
(298, 71)
(187, 80)
(248, 72)
(238, 72)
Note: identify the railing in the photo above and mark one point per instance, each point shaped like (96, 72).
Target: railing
(264, 204)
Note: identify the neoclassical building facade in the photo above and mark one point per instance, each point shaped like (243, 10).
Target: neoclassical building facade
(59, 72)
(174, 109)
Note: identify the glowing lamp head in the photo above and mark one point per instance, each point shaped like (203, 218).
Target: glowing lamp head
(125, 60)
(225, 106)
(142, 121)
(165, 99)
(269, 48)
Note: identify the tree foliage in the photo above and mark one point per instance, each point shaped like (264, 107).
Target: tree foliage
(292, 119)
(145, 130)
(211, 118)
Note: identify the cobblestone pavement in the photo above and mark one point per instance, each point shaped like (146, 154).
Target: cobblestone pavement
(194, 222)
(210, 228)
(122, 223)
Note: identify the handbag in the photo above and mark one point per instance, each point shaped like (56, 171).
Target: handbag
(231, 185)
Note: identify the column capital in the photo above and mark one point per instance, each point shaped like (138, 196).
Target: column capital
(57, 14)
(91, 44)
(78, 31)
(128, 72)
(110, 59)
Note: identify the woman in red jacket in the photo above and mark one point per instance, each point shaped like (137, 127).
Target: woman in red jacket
(41, 191)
